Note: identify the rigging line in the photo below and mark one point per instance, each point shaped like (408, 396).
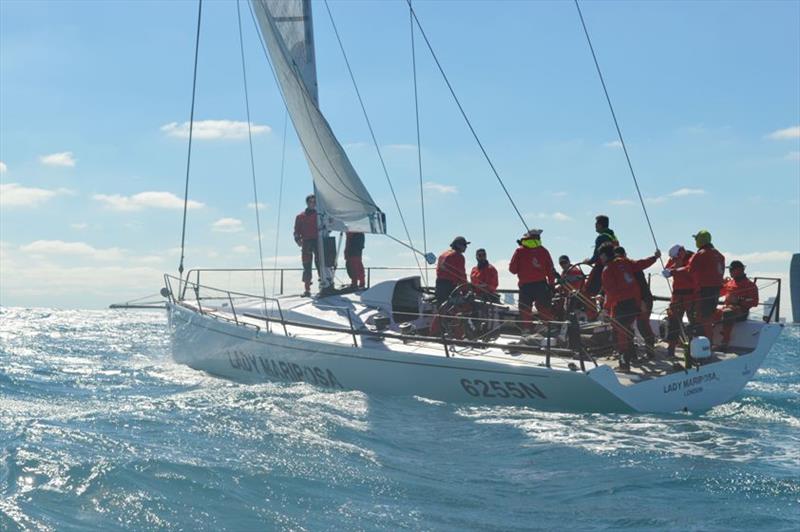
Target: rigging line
(372, 134)
(464, 115)
(619, 134)
(191, 127)
(419, 144)
(356, 197)
(252, 160)
(280, 201)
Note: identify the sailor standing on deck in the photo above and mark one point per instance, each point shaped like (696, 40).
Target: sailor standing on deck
(451, 269)
(533, 265)
(707, 267)
(645, 302)
(305, 236)
(683, 294)
(484, 276)
(605, 236)
(353, 249)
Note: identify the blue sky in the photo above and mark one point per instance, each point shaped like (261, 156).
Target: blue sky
(93, 96)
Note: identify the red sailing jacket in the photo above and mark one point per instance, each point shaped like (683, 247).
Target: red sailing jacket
(681, 278)
(744, 290)
(619, 280)
(451, 267)
(573, 278)
(484, 279)
(707, 267)
(305, 226)
(532, 265)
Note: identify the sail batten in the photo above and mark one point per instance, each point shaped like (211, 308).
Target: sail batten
(342, 199)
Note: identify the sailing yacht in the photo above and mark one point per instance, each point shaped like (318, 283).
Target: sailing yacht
(380, 340)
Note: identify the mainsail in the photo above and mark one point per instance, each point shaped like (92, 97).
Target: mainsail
(343, 201)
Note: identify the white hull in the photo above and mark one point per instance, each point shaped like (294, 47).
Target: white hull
(224, 348)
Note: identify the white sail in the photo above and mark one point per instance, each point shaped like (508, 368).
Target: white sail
(343, 201)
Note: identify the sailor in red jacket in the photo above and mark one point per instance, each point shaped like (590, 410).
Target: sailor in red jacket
(305, 236)
(707, 267)
(573, 282)
(645, 301)
(740, 295)
(484, 276)
(451, 270)
(683, 294)
(353, 249)
(532, 264)
(623, 298)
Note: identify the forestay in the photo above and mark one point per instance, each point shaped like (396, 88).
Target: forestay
(343, 201)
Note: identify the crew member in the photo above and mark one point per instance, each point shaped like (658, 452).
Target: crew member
(572, 284)
(451, 269)
(533, 265)
(353, 249)
(605, 235)
(305, 235)
(645, 301)
(740, 295)
(707, 266)
(683, 294)
(484, 276)
(622, 299)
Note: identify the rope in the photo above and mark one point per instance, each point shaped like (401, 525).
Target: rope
(419, 143)
(372, 133)
(280, 201)
(252, 161)
(191, 127)
(619, 134)
(464, 115)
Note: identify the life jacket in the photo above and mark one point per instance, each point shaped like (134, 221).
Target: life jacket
(619, 281)
(353, 244)
(682, 280)
(745, 291)
(532, 264)
(707, 267)
(484, 279)
(451, 267)
(305, 225)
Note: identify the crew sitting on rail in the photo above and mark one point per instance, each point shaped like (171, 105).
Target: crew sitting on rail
(533, 266)
(451, 270)
(305, 236)
(740, 295)
(353, 249)
(484, 277)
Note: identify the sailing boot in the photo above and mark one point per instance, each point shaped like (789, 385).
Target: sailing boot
(307, 292)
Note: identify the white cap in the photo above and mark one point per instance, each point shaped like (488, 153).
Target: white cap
(674, 250)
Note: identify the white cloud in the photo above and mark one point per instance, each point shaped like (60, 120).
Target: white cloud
(261, 205)
(622, 202)
(438, 187)
(16, 195)
(241, 249)
(680, 193)
(560, 194)
(556, 216)
(63, 158)
(792, 156)
(401, 147)
(760, 257)
(687, 192)
(785, 134)
(143, 200)
(79, 226)
(214, 129)
(3, 167)
(149, 259)
(227, 225)
(613, 144)
(59, 247)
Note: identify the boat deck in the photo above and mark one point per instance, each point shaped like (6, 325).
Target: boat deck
(339, 333)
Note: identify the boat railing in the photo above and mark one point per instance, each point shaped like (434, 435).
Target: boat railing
(201, 299)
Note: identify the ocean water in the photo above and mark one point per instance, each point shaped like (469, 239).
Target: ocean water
(100, 430)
